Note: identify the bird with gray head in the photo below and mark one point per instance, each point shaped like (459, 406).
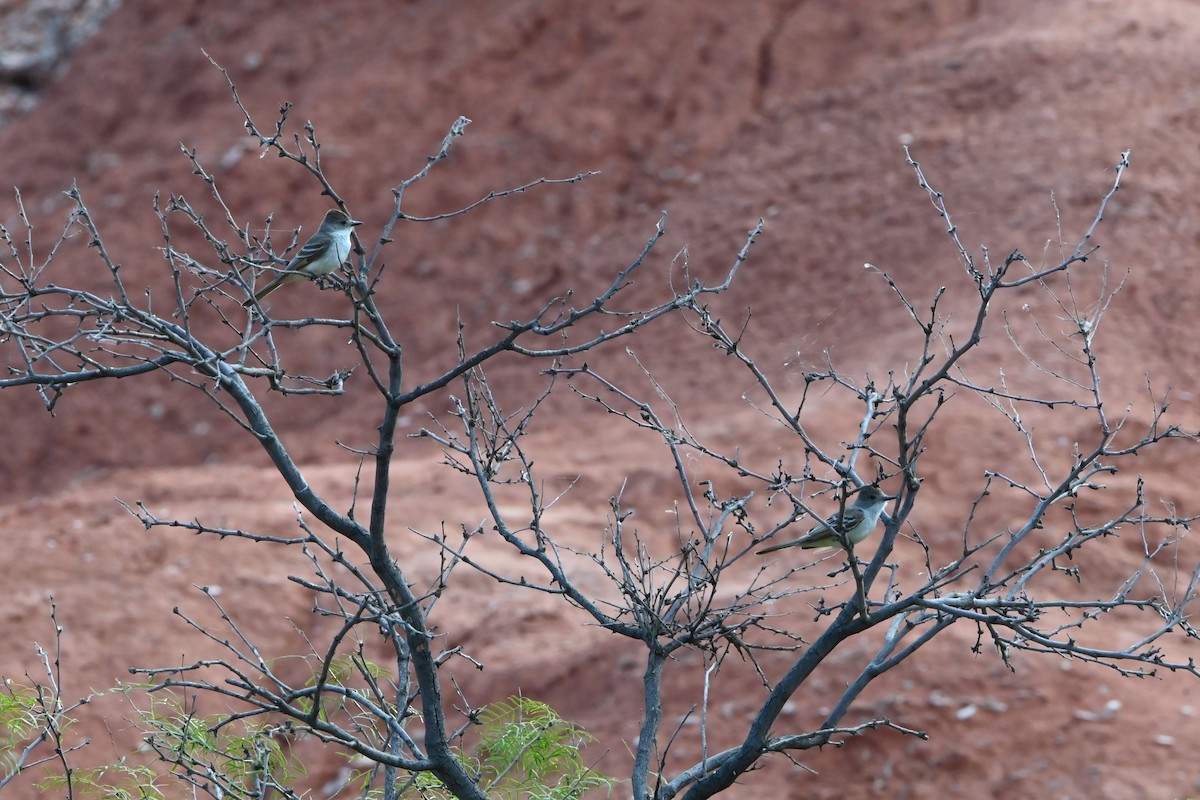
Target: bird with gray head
(851, 524)
(322, 254)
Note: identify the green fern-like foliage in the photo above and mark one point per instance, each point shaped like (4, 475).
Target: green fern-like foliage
(526, 751)
(243, 760)
(119, 781)
(18, 724)
(33, 726)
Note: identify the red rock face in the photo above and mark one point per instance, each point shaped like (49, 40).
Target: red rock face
(721, 114)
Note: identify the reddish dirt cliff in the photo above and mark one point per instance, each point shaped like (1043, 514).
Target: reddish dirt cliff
(720, 114)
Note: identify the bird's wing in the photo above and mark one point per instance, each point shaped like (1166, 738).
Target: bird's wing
(849, 519)
(842, 522)
(306, 255)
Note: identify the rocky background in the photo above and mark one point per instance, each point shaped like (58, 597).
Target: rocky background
(720, 114)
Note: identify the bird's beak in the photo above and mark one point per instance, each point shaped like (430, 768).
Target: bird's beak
(354, 222)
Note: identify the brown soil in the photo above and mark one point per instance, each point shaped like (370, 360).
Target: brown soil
(721, 114)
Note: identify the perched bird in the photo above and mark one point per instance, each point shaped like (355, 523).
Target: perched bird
(322, 254)
(854, 523)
